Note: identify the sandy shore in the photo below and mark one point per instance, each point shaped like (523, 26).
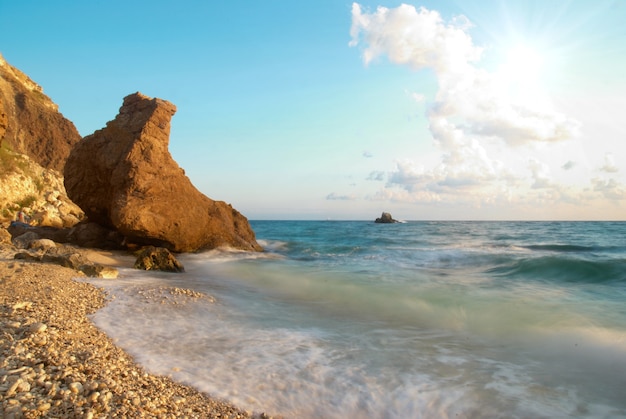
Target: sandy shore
(55, 363)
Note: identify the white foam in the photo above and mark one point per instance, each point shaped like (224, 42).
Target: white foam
(288, 343)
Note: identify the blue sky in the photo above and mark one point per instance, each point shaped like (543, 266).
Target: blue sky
(342, 110)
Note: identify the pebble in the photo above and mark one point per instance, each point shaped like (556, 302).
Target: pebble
(37, 327)
(76, 387)
(55, 363)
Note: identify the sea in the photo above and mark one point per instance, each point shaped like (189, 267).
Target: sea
(419, 319)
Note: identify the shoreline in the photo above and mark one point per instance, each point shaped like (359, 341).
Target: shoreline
(55, 362)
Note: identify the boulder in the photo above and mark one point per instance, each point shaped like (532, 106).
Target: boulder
(87, 234)
(84, 234)
(386, 218)
(123, 177)
(157, 259)
(41, 244)
(95, 270)
(24, 240)
(68, 257)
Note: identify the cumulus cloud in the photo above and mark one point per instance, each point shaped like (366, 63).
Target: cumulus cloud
(569, 165)
(609, 164)
(377, 175)
(540, 174)
(473, 111)
(417, 97)
(476, 102)
(609, 188)
(336, 197)
(418, 38)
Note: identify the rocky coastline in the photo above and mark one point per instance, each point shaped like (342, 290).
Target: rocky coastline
(125, 193)
(54, 362)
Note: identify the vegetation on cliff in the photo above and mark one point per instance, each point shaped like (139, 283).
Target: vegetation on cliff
(37, 191)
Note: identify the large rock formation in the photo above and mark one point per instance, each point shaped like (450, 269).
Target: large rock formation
(30, 123)
(124, 177)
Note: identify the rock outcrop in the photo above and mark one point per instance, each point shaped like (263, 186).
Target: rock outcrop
(386, 218)
(124, 178)
(30, 123)
(47, 251)
(152, 258)
(84, 234)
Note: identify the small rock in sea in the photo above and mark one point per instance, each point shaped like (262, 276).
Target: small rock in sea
(386, 218)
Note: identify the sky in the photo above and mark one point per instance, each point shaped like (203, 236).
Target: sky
(430, 110)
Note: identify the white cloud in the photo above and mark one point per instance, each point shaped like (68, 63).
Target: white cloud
(377, 175)
(477, 102)
(569, 165)
(609, 164)
(609, 188)
(474, 116)
(542, 178)
(417, 97)
(418, 38)
(336, 197)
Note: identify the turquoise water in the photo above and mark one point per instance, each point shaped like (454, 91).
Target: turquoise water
(412, 320)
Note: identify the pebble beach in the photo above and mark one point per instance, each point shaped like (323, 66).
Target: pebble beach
(55, 363)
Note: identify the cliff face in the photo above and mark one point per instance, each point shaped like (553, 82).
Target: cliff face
(35, 140)
(30, 122)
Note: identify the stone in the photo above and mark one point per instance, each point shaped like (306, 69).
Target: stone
(84, 234)
(68, 257)
(152, 258)
(99, 271)
(76, 387)
(124, 178)
(41, 244)
(386, 218)
(64, 257)
(38, 327)
(88, 234)
(24, 240)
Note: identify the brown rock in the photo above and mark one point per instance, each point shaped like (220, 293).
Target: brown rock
(84, 234)
(30, 122)
(124, 177)
(157, 259)
(88, 234)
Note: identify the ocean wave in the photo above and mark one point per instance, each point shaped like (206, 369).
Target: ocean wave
(565, 269)
(562, 247)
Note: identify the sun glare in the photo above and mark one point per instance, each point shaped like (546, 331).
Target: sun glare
(522, 64)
